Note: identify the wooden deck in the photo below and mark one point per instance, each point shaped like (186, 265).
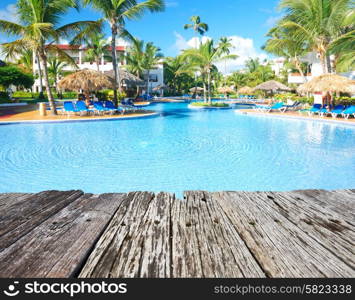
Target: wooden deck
(223, 234)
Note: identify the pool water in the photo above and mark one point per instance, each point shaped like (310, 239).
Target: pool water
(179, 150)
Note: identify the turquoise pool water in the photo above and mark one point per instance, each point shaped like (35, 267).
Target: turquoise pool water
(179, 150)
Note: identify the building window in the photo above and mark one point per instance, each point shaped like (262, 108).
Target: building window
(152, 77)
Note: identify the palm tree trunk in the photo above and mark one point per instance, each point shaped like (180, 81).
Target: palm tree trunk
(323, 62)
(299, 68)
(114, 61)
(40, 76)
(329, 64)
(209, 86)
(46, 81)
(98, 65)
(204, 92)
(148, 72)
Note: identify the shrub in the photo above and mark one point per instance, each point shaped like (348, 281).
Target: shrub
(4, 97)
(345, 100)
(213, 104)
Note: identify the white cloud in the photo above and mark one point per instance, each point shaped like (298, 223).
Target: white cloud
(9, 13)
(243, 47)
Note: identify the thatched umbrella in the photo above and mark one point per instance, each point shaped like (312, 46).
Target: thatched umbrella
(86, 80)
(127, 78)
(271, 86)
(196, 90)
(226, 90)
(328, 83)
(246, 90)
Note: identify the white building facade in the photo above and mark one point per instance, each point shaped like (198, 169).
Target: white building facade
(78, 54)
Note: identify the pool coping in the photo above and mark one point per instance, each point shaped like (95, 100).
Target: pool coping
(270, 115)
(145, 116)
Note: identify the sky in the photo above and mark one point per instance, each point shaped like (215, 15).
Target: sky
(244, 21)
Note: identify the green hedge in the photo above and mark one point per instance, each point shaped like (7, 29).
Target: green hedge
(214, 104)
(345, 100)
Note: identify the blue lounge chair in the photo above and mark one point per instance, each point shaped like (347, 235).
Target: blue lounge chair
(324, 111)
(69, 108)
(110, 107)
(99, 107)
(277, 106)
(315, 109)
(81, 107)
(350, 111)
(338, 109)
(293, 106)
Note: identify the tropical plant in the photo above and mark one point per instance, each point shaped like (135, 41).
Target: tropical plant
(204, 58)
(11, 75)
(252, 64)
(116, 13)
(56, 69)
(199, 28)
(283, 43)
(318, 23)
(97, 49)
(178, 74)
(344, 50)
(151, 58)
(39, 28)
(225, 45)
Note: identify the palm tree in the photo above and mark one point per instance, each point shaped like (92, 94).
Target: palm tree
(252, 64)
(116, 13)
(39, 29)
(225, 45)
(56, 68)
(199, 28)
(134, 59)
(283, 43)
(151, 58)
(344, 50)
(204, 58)
(318, 23)
(98, 49)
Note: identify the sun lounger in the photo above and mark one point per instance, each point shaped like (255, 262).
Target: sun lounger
(99, 108)
(315, 109)
(350, 111)
(338, 110)
(69, 108)
(277, 106)
(110, 107)
(81, 108)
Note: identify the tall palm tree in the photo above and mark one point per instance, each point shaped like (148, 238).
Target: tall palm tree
(344, 50)
(97, 49)
(38, 30)
(225, 45)
(151, 58)
(204, 58)
(318, 22)
(283, 43)
(199, 28)
(116, 13)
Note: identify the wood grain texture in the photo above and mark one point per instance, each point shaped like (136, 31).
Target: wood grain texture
(59, 245)
(140, 234)
(20, 213)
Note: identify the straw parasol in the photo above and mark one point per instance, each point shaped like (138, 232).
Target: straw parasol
(196, 90)
(226, 90)
(272, 86)
(86, 80)
(329, 83)
(127, 78)
(246, 90)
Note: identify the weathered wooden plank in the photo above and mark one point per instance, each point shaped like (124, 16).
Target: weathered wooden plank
(205, 244)
(8, 199)
(136, 242)
(58, 246)
(341, 201)
(281, 248)
(326, 226)
(27, 212)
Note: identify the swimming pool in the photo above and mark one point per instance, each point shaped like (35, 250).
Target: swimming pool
(179, 150)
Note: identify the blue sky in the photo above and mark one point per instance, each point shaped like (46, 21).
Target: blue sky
(246, 21)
